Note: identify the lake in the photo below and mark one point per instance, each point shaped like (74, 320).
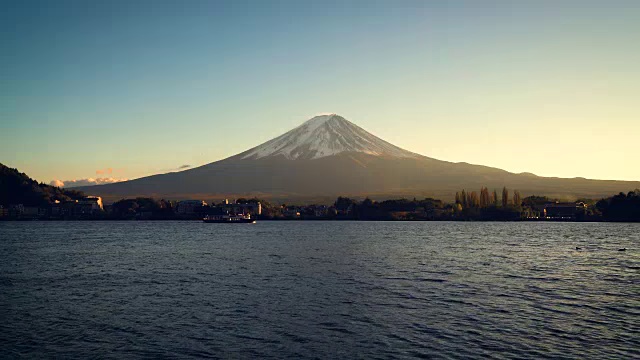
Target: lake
(329, 290)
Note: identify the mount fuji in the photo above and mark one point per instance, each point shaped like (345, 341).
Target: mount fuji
(328, 156)
(326, 135)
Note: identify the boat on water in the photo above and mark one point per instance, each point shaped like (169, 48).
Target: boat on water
(230, 219)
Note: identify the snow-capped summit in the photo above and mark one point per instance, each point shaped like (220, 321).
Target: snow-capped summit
(326, 135)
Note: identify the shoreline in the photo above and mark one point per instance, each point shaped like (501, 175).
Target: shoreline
(339, 220)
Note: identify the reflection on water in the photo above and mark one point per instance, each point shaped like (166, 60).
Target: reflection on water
(319, 289)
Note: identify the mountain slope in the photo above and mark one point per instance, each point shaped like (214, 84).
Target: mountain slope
(18, 188)
(329, 156)
(325, 135)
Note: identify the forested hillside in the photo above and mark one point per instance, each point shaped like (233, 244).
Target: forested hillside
(18, 188)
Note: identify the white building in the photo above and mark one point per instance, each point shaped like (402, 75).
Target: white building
(189, 206)
(91, 203)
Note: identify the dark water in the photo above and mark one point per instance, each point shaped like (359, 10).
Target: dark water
(319, 290)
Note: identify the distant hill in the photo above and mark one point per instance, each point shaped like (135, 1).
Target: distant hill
(329, 156)
(18, 188)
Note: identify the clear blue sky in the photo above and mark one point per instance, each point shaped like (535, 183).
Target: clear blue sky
(141, 87)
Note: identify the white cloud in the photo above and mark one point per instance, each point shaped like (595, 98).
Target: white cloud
(84, 182)
(56, 183)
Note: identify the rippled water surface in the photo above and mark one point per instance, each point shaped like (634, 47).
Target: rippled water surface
(319, 290)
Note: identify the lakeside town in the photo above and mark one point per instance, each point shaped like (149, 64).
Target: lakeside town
(467, 207)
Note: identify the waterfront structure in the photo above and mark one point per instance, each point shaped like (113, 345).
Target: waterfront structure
(189, 207)
(248, 208)
(230, 219)
(291, 212)
(564, 211)
(90, 204)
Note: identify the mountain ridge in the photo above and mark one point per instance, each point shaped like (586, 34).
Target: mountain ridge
(328, 156)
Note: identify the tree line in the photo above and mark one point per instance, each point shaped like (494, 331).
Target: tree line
(485, 199)
(621, 207)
